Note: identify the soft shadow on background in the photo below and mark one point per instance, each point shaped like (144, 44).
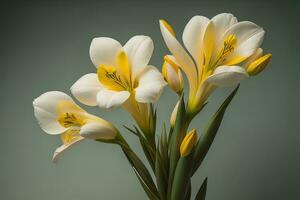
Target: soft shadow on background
(44, 46)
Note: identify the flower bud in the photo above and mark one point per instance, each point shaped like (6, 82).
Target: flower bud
(172, 74)
(174, 115)
(188, 143)
(258, 65)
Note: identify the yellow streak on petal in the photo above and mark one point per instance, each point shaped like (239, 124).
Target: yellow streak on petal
(188, 143)
(124, 66)
(68, 106)
(259, 65)
(235, 60)
(168, 26)
(209, 42)
(70, 136)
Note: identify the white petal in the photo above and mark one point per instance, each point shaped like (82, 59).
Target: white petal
(173, 77)
(139, 50)
(96, 130)
(86, 89)
(182, 57)
(193, 36)
(150, 86)
(249, 37)
(227, 76)
(45, 111)
(59, 151)
(103, 50)
(258, 53)
(250, 46)
(108, 98)
(222, 22)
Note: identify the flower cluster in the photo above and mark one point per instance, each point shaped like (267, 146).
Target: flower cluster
(217, 52)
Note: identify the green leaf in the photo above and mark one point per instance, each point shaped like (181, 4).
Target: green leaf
(189, 191)
(207, 137)
(161, 176)
(182, 178)
(164, 148)
(202, 191)
(149, 193)
(148, 151)
(140, 168)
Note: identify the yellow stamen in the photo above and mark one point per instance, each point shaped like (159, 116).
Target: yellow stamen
(69, 119)
(259, 65)
(188, 143)
(229, 44)
(168, 26)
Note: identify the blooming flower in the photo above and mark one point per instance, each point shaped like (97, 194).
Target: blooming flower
(219, 47)
(58, 114)
(123, 77)
(121, 72)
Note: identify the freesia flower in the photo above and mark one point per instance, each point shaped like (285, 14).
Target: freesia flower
(58, 114)
(123, 77)
(172, 74)
(217, 49)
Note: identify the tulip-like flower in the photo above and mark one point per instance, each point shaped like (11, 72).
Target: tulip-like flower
(123, 77)
(172, 74)
(188, 143)
(219, 47)
(58, 114)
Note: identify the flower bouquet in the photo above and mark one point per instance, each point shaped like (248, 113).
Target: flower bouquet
(217, 52)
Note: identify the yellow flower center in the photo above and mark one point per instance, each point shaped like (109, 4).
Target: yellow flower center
(70, 120)
(117, 77)
(229, 45)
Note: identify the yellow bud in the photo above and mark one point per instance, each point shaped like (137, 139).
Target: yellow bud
(168, 26)
(258, 65)
(172, 74)
(188, 143)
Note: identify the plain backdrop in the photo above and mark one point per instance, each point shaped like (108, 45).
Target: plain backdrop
(44, 46)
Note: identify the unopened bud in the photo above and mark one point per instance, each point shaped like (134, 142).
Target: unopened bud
(172, 74)
(188, 143)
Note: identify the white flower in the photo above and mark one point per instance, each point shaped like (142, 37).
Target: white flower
(122, 72)
(58, 114)
(219, 47)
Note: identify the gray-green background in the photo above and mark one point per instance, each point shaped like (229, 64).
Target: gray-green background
(44, 46)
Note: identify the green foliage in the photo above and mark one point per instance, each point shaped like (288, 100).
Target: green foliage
(207, 137)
